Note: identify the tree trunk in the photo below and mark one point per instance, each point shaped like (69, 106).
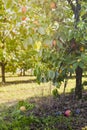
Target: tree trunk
(78, 89)
(23, 72)
(3, 72)
(20, 72)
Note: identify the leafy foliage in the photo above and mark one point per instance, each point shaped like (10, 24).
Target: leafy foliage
(42, 35)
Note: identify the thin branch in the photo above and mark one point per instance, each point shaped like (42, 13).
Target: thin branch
(6, 35)
(65, 85)
(77, 2)
(61, 40)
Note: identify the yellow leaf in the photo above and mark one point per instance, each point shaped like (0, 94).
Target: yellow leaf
(37, 45)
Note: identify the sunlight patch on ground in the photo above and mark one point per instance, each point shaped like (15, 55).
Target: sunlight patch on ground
(19, 90)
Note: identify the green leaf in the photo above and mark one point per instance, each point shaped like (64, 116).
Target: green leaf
(41, 30)
(9, 3)
(51, 74)
(75, 65)
(81, 65)
(56, 84)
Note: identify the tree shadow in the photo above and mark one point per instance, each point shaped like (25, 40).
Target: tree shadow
(61, 102)
(48, 106)
(17, 82)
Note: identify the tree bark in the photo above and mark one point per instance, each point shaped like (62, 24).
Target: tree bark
(78, 89)
(23, 72)
(3, 72)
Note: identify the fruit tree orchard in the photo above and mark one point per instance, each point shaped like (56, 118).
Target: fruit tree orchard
(54, 32)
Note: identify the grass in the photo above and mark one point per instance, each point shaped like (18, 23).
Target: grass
(18, 88)
(14, 95)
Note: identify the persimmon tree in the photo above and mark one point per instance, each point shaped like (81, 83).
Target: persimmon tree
(80, 40)
(68, 50)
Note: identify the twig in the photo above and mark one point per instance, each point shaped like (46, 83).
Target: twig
(65, 84)
(72, 5)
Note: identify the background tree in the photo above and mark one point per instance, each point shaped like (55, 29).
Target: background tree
(9, 35)
(22, 24)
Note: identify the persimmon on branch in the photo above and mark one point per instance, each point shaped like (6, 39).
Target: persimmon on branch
(72, 47)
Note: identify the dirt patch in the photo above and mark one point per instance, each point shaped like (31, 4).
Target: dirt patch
(56, 107)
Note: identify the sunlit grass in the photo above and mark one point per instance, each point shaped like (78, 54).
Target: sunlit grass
(20, 89)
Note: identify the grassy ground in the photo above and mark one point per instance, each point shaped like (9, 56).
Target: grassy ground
(18, 88)
(25, 105)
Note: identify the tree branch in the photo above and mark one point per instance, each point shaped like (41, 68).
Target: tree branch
(77, 2)
(61, 40)
(72, 5)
